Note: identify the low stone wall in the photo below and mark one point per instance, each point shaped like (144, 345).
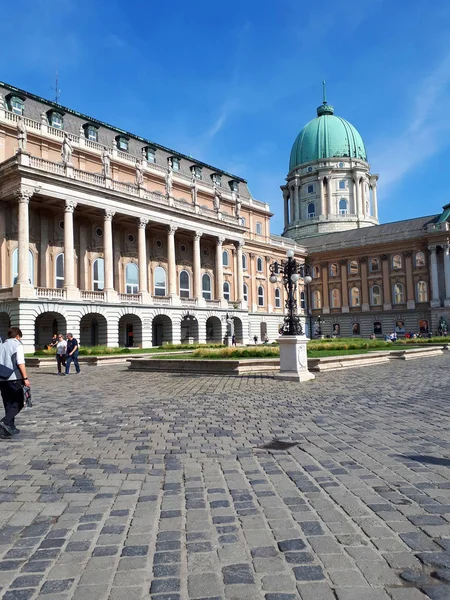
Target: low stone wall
(207, 367)
(92, 361)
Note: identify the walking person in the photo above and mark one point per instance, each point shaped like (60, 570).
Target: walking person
(13, 376)
(72, 353)
(61, 351)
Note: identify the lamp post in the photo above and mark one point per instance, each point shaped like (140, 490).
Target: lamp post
(320, 322)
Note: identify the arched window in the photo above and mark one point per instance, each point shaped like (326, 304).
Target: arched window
(335, 298)
(277, 298)
(342, 185)
(334, 270)
(316, 272)
(354, 297)
(206, 286)
(244, 262)
(302, 300)
(375, 295)
(59, 271)
(131, 278)
(343, 206)
(260, 295)
(15, 266)
(225, 259)
(398, 293)
(419, 259)
(396, 261)
(374, 265)
(259, 228)
(245, 292)
(377, 328)
(98, 274)
(317, 299)
(259, 264)
(226, 290)
(422, 291)
(160, 281)
(356, 329)
(311, 210)
(353, 267)
(185, 288)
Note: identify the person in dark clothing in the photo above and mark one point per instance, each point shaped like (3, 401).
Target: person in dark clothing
(72, 353)
(14, 376)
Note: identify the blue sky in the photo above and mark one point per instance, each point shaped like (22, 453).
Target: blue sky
(233, 82)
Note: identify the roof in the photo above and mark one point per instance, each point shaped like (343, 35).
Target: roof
(376, 234)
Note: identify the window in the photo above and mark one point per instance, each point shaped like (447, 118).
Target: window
(160, 281)
(396, 261)
(259, 228)
(336, 329)
(185, 291)
(216, 178)
(259, 264)
(377, 328)
(277, 298)
(225, 259)
(150, 154)
(335, 298)
(375, 295)
(356, 329)
(206, 286)
(196, 171)
(311, 210)
(98, 274)
(245, 292)
(243, 222)
(55, 119)
(316, 272)
(353, 267)
(91, 133)
(234, 185)
(131, 278)
(310, 189)
(334, 270)
(302, 300)
(226, 290)
(342, 185)
(343, 206)
(317, 299)
(419, 259)
(16, 105)
(260, 295)
(244, 262)
(122, 143)
(354, 297)
(175, 163)
(398, 293)
(15, 266)
(423, 326)
(422, 291)
(59, 271)
(374, 265)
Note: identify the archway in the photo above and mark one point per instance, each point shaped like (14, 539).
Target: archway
(161, 330)
(93, 330)
(130, 331)
(189, 330)
(5, 324)
(238, 330)
(214, 330)
(46, 325)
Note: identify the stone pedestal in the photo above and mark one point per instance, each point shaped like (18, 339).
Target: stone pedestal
(293, 358)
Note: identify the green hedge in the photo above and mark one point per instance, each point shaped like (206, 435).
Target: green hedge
(104, 350)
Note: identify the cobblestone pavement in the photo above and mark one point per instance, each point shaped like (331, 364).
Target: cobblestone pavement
(132, 486)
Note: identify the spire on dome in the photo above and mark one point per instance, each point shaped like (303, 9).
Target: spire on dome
(325, 108)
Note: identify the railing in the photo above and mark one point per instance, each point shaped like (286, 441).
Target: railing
(46, 165)
(92, 145)
(128, 188)
(88, 177)
(129, 298)
(188, 301)
(93, 296)
(50, 293)
(5, 293)
(126, 156)
(213, 302)
(161, 300)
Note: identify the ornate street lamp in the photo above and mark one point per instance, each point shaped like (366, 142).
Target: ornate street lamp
(320, 321)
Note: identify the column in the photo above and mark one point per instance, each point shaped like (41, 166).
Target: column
(69, 249)
(345, 307)
(330, 207)
(219, 269)
(108, 250)
(356, 194)
(142, 256)
(362, 200)
(24, 287)
(197, 268)
(43, 246)
(325, 291)
(387, 303)
(435, 299)
(84, 270)
(172, 265)
(374, 196)
(286, 206)
(410, 299)
(295, 209)
(321, 210)
(364, 285)
(239, 272)
(446, 248)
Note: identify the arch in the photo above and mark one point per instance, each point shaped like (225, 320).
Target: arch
(206, 286)
(335, 298)
(244, 262)
(343, 206)
(245, 292)
(131, 278)
(238, 330)
(185, 284)
(259, 264)
(334, 270)
(225, 258)
(5, 324)
(354, 296)
(311, 210)
(214, 330)
(130, 331)
(15, 266)
(377, 328)
(419, 259)
(422, 291)
(226, 290)
(375, 295)
(374, 265)
(160, 282)
(59, 271)
(277, 298)
(260, 295)
(397, 262)
(397, 293)
(161, 330)
(317, 299)
(316, 272)
(98, 275)
(189, 329)
(353, 267)
(93, 330)
(47, 324)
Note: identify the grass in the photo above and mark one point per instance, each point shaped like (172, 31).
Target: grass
(104, 350)
(324, 353)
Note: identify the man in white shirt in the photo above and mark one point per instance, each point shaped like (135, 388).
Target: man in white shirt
(13, 376)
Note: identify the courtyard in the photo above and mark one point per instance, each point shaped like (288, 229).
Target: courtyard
(131, 486)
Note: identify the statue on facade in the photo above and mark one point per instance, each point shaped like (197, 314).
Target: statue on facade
(21, 134)
(139, 178)
(194, 190)
(217, 198)
(442, 328)
(106, 162)
(237, 204)
(169, 181)
(66, 150)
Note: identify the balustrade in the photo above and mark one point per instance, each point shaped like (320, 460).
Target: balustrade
(130, 298)
(41, 292)
(93, 296)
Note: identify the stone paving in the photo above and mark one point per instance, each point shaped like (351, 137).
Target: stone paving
(134, 486)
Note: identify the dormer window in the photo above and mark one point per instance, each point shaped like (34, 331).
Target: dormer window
(91, 132)
(174, 162)
(196, 171)
(234, 185)
(150, 154)
(216, 178)
(15, 104)
(55, 119)
(122, 143)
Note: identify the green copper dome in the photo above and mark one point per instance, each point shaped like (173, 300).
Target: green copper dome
(327, 136)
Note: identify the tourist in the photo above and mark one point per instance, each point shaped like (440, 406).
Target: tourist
(13, 376)
(61, 351)
(233, 340)
(255, 339)
(72, 353)
(266, 339)
(53, 342)
(373, 336)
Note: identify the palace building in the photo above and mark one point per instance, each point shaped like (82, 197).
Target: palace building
(125, 242)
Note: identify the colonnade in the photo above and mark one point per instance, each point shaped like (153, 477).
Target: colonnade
(434, 272)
